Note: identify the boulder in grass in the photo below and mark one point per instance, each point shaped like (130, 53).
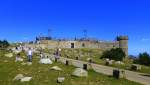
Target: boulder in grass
(26, 79)
(119, 62)
(112, 61)
(9, 55)
(23, 63)
(29, 63)
(56, 68)
(60, 79)
(16, 51)
(18, 60)
(89, 60)
(79, 72)
(136, 67)
(107, 59)
(45, 61)
(109, 62)
(18, 77)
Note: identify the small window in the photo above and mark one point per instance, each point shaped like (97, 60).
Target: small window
(72, 45)
(83, 45)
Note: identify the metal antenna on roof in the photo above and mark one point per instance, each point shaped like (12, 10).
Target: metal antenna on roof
(85, 33)
(49, 32)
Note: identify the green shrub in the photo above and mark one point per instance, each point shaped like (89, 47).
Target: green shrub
(115, 54)
(144, 59)
(4, 44)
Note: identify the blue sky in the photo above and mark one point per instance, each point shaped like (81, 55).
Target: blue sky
(104, 19)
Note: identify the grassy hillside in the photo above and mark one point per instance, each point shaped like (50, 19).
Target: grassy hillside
(42, 75)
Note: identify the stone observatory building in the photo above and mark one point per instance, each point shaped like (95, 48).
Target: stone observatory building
(120, 42)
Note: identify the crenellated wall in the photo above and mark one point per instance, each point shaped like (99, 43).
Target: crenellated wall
(80, 44)
(122, 42)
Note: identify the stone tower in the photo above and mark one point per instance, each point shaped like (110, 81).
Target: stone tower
(123, 43)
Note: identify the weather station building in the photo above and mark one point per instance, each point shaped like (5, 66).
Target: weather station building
(48, 42)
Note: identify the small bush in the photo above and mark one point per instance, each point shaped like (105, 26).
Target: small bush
(115, 54)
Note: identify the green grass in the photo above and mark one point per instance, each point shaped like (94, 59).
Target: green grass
(42, 75)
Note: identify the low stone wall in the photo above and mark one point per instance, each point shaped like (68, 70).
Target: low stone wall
(130, 75)
(97, 68)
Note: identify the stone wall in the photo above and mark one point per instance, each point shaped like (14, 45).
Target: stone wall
(122, 42)
(80, 44)
(77, 44)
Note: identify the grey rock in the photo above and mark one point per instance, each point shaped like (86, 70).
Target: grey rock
(109, 62)
(18, 77)
(136, 67)
(79, 72)
(9, 55)
(56, 68)
(26, 79)
(60, 79)
(23, 63)
(119, 62)
(45, 61)
(18, 60)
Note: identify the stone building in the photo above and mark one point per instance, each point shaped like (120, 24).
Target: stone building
(121, 42)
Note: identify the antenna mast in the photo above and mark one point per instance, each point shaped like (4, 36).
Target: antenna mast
(85, 33)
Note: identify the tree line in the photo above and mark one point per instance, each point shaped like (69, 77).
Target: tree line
(4, 44)
(143, 59)
(118, 54)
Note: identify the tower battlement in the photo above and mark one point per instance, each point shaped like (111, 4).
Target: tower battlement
(122, 38)
(123, 43)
